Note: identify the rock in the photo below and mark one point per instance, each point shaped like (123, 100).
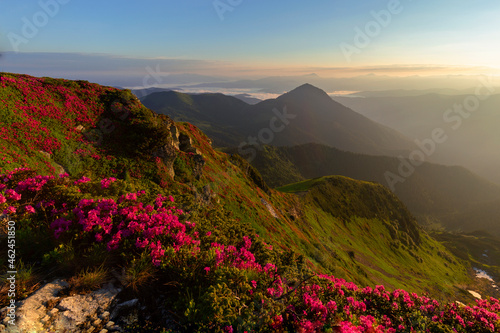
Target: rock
(44, 153)
(105, 315)
(269, 208)
(186, 144)
(199, 163)
(31, 310)
(207, 197)
(123, 307)
(76, 310)
(79, 313)
(54, 311)
(167, 154)
(169, 151)
(128, 304)
(175, 136)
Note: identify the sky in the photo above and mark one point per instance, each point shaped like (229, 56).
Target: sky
(250, 37)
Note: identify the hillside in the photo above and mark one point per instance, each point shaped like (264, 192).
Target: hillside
(303, 115)
(215, 114)
(436, 194)
(107, 193)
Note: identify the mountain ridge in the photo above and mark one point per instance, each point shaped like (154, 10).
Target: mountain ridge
(313, 115)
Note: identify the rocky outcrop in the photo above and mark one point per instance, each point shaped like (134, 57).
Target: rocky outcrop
(186, 145)
(47, 311)
(199, 163)
(75, 311)
(31, 312)
(168, 152)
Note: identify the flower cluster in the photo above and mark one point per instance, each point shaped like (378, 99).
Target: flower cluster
(38, 112)
(156, 226)
(105, 183)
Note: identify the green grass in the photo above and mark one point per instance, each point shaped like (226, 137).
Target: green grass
(301, 186)
(345, 217)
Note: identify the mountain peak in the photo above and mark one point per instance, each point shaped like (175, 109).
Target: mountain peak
(307, 89)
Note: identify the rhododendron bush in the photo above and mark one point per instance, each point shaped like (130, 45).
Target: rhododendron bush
(75, 123)
(218, 275)
(33, 107)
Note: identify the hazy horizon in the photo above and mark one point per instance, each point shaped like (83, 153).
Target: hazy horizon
(249, 39)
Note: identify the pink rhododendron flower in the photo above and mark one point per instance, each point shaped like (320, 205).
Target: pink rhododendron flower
(131, 196)
(105, 183)
(82, 180)
(13, 195)
(10, 210)
(29, 209)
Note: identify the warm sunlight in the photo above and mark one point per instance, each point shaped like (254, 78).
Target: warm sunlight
(250, 166)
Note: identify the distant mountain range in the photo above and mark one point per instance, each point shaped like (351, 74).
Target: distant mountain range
(473, 136)
(304, 115)
(368, 82)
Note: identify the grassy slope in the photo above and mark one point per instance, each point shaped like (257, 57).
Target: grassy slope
(452, 196)
(378, 239)
(357, 248)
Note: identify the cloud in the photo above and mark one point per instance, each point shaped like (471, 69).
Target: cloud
(108, 69)
(167, 72)
(404, 70)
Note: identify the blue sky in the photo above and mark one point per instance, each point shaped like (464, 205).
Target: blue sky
(258, 34)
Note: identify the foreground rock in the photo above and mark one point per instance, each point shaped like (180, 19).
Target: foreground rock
(47, 311)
